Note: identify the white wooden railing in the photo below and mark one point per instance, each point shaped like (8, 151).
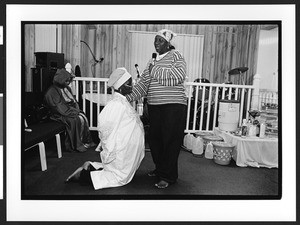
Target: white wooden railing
(92, 94)
(267, 98)
(202, 110)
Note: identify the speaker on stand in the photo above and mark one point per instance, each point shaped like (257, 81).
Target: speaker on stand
(46, 65)
(42, 78)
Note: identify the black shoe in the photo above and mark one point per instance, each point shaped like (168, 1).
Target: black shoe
(89, 145)
(152, 174)
(82, 149)
(162, 184)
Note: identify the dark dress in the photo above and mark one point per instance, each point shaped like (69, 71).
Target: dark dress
(65, 109)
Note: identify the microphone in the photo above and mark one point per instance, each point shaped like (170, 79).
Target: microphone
(137, 70)
(153, 58)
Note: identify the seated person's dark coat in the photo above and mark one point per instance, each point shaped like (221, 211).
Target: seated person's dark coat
(65, 109)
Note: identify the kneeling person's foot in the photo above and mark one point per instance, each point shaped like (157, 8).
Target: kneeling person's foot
(75, 176)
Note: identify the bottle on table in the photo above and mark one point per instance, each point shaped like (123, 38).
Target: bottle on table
(244, 128)
(262, 129)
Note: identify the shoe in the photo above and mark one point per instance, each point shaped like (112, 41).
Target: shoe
(86, 145)
(82, 149)
(89, 145)
(152, 174)
(162, 184)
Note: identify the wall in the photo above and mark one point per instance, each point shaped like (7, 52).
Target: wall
(142, 48)
(267, 66)
(225, 47)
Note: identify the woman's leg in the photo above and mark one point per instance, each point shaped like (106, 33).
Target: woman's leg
(155, 142)
(172, 132)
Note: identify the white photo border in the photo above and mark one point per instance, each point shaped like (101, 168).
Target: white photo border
(138, 210)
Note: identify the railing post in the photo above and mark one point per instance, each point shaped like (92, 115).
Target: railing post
(255, 94)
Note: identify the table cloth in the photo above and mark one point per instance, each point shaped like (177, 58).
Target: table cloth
(252, 151)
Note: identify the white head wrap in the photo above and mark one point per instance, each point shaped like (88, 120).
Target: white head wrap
(118, 77)
(68, 67)
(168, 35)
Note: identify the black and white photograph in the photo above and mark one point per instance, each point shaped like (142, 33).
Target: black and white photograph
(149, 111)
(213, 154)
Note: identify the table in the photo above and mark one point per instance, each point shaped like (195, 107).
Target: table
(252, 151)
(94, 97)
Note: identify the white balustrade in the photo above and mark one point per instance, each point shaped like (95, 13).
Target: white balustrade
(202, 106)
(202, 114)
(93, 91)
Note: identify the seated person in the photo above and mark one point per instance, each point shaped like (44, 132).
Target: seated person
(65, 109)
(121, 133)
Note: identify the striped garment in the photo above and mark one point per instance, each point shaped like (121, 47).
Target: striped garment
(165, 84)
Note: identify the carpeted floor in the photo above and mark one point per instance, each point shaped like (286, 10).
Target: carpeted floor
(199, 178)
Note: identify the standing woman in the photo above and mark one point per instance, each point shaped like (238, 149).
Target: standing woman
(162, 82)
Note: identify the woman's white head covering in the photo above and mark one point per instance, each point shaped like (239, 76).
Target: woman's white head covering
(68, 67)
(118, 77)
(168, 35)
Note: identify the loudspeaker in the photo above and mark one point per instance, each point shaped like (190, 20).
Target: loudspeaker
(49, 60)
(42, 79)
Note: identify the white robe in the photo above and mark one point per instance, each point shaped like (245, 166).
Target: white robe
(122, 141)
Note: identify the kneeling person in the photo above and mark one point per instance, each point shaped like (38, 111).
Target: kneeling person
(122, 143)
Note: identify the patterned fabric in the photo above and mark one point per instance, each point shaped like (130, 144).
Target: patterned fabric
(165, 84)
(168, 35)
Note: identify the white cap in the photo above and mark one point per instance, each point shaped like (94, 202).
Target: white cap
(68, 67)
(118, 77)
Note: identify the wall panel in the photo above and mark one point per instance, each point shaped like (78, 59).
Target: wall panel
(29, 54)
(45, 40)
(225, 47)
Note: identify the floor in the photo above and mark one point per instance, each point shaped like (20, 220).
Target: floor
(199, 178)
